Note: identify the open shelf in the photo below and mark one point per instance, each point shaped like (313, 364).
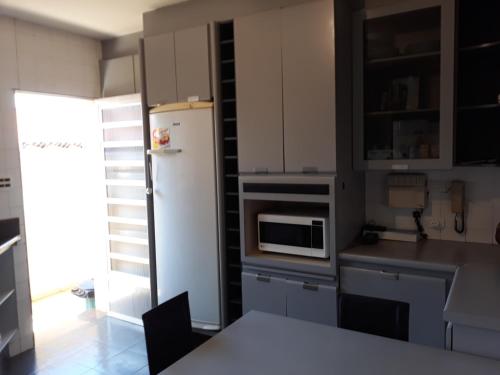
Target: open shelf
(402, 112)
(480, 47)
(7, 338)
(478, 107)
(390, 61)
(124, 163)
(127, 221)
(126, 202)
(122, 124)
(129, 258)
(123, 144)
(129, 240)
(5, 296)
(121, 182)
(141, 281)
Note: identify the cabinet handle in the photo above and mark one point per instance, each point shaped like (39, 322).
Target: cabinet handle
(310, 286)
(263, 278)
(260, 170)
(389, 275)
(309, 169)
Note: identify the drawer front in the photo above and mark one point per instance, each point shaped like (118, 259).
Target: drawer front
(477, 341)
(263, 293)
(425, 295)
(312, 302)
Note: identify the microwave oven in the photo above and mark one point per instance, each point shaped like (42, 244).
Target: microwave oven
(294, 234)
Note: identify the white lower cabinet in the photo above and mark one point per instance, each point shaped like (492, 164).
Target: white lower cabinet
(473, 340)
(306, 300)
(311, 301)
(425, 295)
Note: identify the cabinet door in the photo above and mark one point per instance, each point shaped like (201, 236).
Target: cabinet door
(159, 51)
(425, 295)
(259, 92)
(192, 63)
(263, 293)
(309, 87)
(312, 302)
(117, 76)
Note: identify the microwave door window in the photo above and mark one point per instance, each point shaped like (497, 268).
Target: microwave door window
(285, 234)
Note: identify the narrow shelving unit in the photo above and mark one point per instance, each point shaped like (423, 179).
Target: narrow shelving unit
(129, 292)
(478, 84)
(230, 170)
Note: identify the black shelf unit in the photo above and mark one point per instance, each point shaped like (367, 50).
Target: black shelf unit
(478, 84)
(230, 170)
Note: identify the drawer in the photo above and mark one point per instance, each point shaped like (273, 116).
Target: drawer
(477, 341)
(264, 293)
(425, 295)
(312, 302)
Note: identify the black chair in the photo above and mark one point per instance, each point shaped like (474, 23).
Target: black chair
(169, 334)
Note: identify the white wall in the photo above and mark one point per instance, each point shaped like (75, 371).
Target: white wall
(35, 58)
(482, 191)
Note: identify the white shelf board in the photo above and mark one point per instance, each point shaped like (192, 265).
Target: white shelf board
(129, 240)
(129, 258)
(123, 144)
(7, 338)
(5, 296)
(122, 182)
(124, 163)
(128, 221)
(122, 124)
(126, 202)
(140, 281)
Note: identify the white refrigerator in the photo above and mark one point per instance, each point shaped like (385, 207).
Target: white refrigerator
(184, 184)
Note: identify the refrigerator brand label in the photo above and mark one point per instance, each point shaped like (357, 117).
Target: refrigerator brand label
(177, 124)
(161, 138)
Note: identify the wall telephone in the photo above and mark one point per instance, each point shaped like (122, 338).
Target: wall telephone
(457, 196)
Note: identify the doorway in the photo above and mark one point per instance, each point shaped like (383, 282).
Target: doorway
(62, 192)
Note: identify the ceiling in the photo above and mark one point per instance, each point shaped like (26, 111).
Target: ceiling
(101, 19)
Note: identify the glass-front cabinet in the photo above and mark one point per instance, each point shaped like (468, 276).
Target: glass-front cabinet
(403, 86)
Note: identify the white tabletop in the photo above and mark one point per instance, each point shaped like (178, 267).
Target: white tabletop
(261, 344)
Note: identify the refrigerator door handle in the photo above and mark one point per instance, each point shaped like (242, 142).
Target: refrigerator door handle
(164, 151)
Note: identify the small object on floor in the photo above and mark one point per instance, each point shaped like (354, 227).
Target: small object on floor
(86, 290)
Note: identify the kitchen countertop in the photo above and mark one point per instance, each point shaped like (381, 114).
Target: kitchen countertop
(431, 255)
(474, 298)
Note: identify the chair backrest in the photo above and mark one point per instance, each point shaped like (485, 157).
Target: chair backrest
(168, 332)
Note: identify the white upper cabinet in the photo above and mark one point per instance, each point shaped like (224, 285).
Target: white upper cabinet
(161, 81)
(309, 87)
(285, 80)
(178, 66)
(192, 63)
(259, 93)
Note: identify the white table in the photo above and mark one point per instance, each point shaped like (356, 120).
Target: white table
(261, 344)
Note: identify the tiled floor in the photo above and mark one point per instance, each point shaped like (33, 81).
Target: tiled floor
(74, 341)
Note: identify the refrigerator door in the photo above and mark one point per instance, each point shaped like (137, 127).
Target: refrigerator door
(185, 209)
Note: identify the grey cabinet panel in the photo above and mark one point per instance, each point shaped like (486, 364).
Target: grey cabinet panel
(477, 341)
(425, 295)
(309, 87)
(259, 92)
(137, 73)
(192, 63)
(313, 302)
(159, 51)
(117, 76)
(263, 293)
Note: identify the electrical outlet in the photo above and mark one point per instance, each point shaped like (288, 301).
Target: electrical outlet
(436, 223)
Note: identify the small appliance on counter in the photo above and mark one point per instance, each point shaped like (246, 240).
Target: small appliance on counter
(303, 234)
